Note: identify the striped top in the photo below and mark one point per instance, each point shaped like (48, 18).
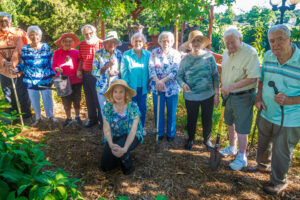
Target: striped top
(200, 73)
(86, 54)
(287, 79)
(36, 66)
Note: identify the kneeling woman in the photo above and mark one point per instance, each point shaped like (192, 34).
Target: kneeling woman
(122, 127)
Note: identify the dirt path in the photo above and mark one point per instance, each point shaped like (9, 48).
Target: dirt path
(173, 172)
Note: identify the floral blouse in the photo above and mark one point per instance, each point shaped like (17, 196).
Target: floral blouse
(122, 124)
(164, 66)
(101, 58)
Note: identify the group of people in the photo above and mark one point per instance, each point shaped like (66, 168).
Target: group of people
(116, 85)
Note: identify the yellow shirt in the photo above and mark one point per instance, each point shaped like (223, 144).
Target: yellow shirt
(14, 39)
(240, 65)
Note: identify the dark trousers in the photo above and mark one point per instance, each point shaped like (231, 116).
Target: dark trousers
(141, 100)
(74, 98)
(92, 104)
(192, 108)
(9, 95)
(109, 161)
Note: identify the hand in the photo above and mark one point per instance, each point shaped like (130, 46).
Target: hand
(117, 150)
(186, 88)
(260, 105)
(79, 74)
(58, 69)
(160, 85)
(216, 100)
(7, 64)
(114, 73)
(13, 70)
(281, 99)
(225, 90)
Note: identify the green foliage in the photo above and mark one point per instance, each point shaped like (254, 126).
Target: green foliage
(296, 31)
(21, 163)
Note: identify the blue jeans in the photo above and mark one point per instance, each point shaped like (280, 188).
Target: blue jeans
(171, 102)
(141, 101)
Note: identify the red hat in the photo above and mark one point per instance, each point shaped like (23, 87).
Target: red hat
(65, 35)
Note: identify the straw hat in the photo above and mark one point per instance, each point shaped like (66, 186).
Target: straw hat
(129, 92)
(192, 36)
(112, 35)
(67, 35)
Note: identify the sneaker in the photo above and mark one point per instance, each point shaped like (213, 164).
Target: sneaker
(67, 122)
(53, 119)
(189, 145)
(274, 189)
(239, 163)
(36, 122)
(144, 132)
(78, 120)
(228, 151)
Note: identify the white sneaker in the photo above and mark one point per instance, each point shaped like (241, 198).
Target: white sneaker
(228, 151)
(144, 132)
(239, 163)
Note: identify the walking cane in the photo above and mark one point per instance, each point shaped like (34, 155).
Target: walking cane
(253, 133)
(157, 120)
(8, 58)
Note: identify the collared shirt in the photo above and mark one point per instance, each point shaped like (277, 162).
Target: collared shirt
(162, 66)
(240, 65)
(134, 70)
(200, 73)
(15, 37)
(36, 66)
(287, 79)
(101, 58)
(86, 54)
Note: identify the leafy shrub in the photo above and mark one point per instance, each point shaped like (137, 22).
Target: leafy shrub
(21, 163)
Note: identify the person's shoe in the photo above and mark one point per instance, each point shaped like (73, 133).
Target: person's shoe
(228, 151)
(274, 189)
(36, 122)
(239, 163)
(89, 124)
(68, 122)
(78, 121)
(170, 139)
(189, 145)
(160, 137)
(53, 119)
(259, 168)
(100, 127)
(144, 132)
(208, 145)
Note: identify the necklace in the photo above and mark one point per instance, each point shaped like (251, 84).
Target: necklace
(120, 109)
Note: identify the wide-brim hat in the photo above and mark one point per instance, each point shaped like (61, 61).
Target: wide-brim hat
(112, 35)
(192, 36)
(67, 35)
(129, 92)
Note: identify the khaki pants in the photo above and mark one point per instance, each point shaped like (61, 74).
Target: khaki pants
(276, 149)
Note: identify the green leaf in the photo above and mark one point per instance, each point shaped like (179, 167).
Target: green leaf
(21, 198)
(36, 170)
(50, 197)
(102, 198)
(12, 175)
(161, 197)
(43, 191)
(63, 192)
(42, 179)
(11, 196)
(122, 198)
(4, 189)
(22, 188)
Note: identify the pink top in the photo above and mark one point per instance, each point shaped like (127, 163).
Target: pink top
(68, 61)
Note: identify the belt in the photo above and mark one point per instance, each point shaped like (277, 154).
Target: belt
(86, 72)
(243, 92)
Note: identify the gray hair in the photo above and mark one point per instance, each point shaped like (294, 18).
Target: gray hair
(34, 29)
(5, 14)
(168, 34)
(232, 31)
(280, 27)
(88, 26)
(138, 35)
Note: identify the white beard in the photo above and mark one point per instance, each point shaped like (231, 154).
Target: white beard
(93, 40)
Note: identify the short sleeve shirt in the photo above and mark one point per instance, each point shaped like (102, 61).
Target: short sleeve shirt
(86, 54)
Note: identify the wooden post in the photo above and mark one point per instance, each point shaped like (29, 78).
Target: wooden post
(211, 19)
(102, 30)
(176, 34)
(181, 32)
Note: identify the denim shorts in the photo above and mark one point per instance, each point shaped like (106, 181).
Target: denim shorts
(239, 111)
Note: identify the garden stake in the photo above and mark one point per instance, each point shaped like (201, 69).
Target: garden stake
(253, 134)
(8, 58)
(157, 121)
(215, 156)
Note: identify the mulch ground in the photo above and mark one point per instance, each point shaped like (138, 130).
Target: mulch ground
(172, 172)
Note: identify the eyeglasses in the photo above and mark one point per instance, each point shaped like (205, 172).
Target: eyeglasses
(278, 40)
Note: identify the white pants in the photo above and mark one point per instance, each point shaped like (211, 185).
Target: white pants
(102, 102)
(35, 98)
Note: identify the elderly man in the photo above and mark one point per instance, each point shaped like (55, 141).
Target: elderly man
(106, 65)
(11, 42)
(276, 141)
(240, 70)
(87, 49)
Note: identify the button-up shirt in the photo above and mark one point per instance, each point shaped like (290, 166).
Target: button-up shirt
(240, 65)
(162, 66)
(86, 54)
(101, 58)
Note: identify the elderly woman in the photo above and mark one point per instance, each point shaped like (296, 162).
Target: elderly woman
(122, 127)
(199, 78)
(163, 67)
(65, 62)
(134, 70)
(106, 65)
(37, 72)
